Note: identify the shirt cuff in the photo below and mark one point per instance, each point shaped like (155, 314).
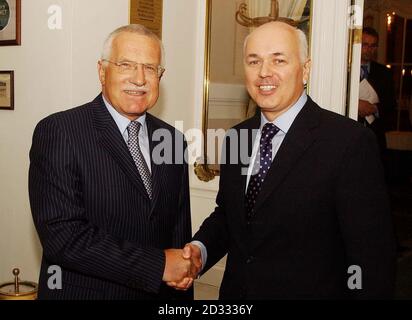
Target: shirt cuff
(203, 252)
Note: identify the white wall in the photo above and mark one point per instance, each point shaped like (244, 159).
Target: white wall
(55, 70)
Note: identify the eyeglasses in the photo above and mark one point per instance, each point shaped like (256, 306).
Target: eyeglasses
(129, 67)
(371, 46)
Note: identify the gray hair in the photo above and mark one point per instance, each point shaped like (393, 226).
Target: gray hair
(132, 28)
(303, 45)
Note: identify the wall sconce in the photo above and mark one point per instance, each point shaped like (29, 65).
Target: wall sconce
(390, 18)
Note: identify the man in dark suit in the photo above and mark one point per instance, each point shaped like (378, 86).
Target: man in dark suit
(308, 217)
(106, 208)
(380, 116)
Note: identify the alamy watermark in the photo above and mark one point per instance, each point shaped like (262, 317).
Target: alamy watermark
(55, 279)
(355, 280)
(55, 20)
(222, 146)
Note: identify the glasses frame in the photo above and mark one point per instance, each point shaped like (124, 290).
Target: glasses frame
(160, 69)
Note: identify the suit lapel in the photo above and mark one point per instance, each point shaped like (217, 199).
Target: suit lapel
(158, 170)
(298, 139)
(252, 127)
(111, 139)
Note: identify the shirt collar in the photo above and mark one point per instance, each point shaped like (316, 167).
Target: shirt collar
(284, 121)
(122, 122)
(368, 65)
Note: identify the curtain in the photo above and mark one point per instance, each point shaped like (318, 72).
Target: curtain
(287, 8)
(292, 8)
(258, 8)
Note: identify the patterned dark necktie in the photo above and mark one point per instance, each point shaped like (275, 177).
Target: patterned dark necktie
(260, 167)
(133, 144)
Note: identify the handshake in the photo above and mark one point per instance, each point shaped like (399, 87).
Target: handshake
(182, 266)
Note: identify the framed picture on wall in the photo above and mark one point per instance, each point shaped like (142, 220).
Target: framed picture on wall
(148, 13)
(7, 90)
(10, 24)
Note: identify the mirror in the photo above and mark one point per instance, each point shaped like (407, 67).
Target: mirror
(226, 101)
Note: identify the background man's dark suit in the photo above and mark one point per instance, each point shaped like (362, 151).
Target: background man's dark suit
(92, 212)
(381, 80)
(322, 208)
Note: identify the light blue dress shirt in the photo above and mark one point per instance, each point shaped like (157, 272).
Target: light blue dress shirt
(283, 122)
(122, 123)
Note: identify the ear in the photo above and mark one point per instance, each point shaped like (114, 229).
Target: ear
(102, 72)
(306, 70)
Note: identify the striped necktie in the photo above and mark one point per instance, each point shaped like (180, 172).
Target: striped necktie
(134, 148)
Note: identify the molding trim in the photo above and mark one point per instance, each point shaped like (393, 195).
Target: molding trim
(329, 53)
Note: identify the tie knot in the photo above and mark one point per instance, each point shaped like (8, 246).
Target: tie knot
(134, 127)
(269, 130)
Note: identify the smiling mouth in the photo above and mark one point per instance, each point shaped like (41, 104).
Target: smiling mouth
(267, 88)
(135, 92)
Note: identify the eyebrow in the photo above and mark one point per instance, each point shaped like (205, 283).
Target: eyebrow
(275, 54)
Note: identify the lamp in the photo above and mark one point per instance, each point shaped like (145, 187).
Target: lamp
(243, 19)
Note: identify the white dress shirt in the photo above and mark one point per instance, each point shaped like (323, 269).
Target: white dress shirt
(122, 123)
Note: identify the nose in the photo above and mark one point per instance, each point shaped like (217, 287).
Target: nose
(265, 69)
(138, 77)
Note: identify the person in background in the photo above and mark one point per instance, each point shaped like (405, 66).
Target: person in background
(376, 114)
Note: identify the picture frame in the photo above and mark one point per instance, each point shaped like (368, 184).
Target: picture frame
(7, 90)
(10, 22)
(148, 13)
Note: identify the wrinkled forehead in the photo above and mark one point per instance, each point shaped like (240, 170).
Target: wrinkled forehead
(132, 44)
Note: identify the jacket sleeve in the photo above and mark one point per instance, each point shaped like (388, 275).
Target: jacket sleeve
(183, 225)
(214, 232)
(68, 238)
(364, 216)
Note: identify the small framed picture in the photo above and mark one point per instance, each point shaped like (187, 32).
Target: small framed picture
(7, 90)
(10, 24)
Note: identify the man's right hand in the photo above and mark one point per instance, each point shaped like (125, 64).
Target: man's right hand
(192, 254)
(177, 267)
(366, 109)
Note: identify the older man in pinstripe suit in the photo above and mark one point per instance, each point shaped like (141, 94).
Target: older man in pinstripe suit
(106, 212)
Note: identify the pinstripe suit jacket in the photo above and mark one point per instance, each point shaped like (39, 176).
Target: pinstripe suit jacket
(92, 213)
